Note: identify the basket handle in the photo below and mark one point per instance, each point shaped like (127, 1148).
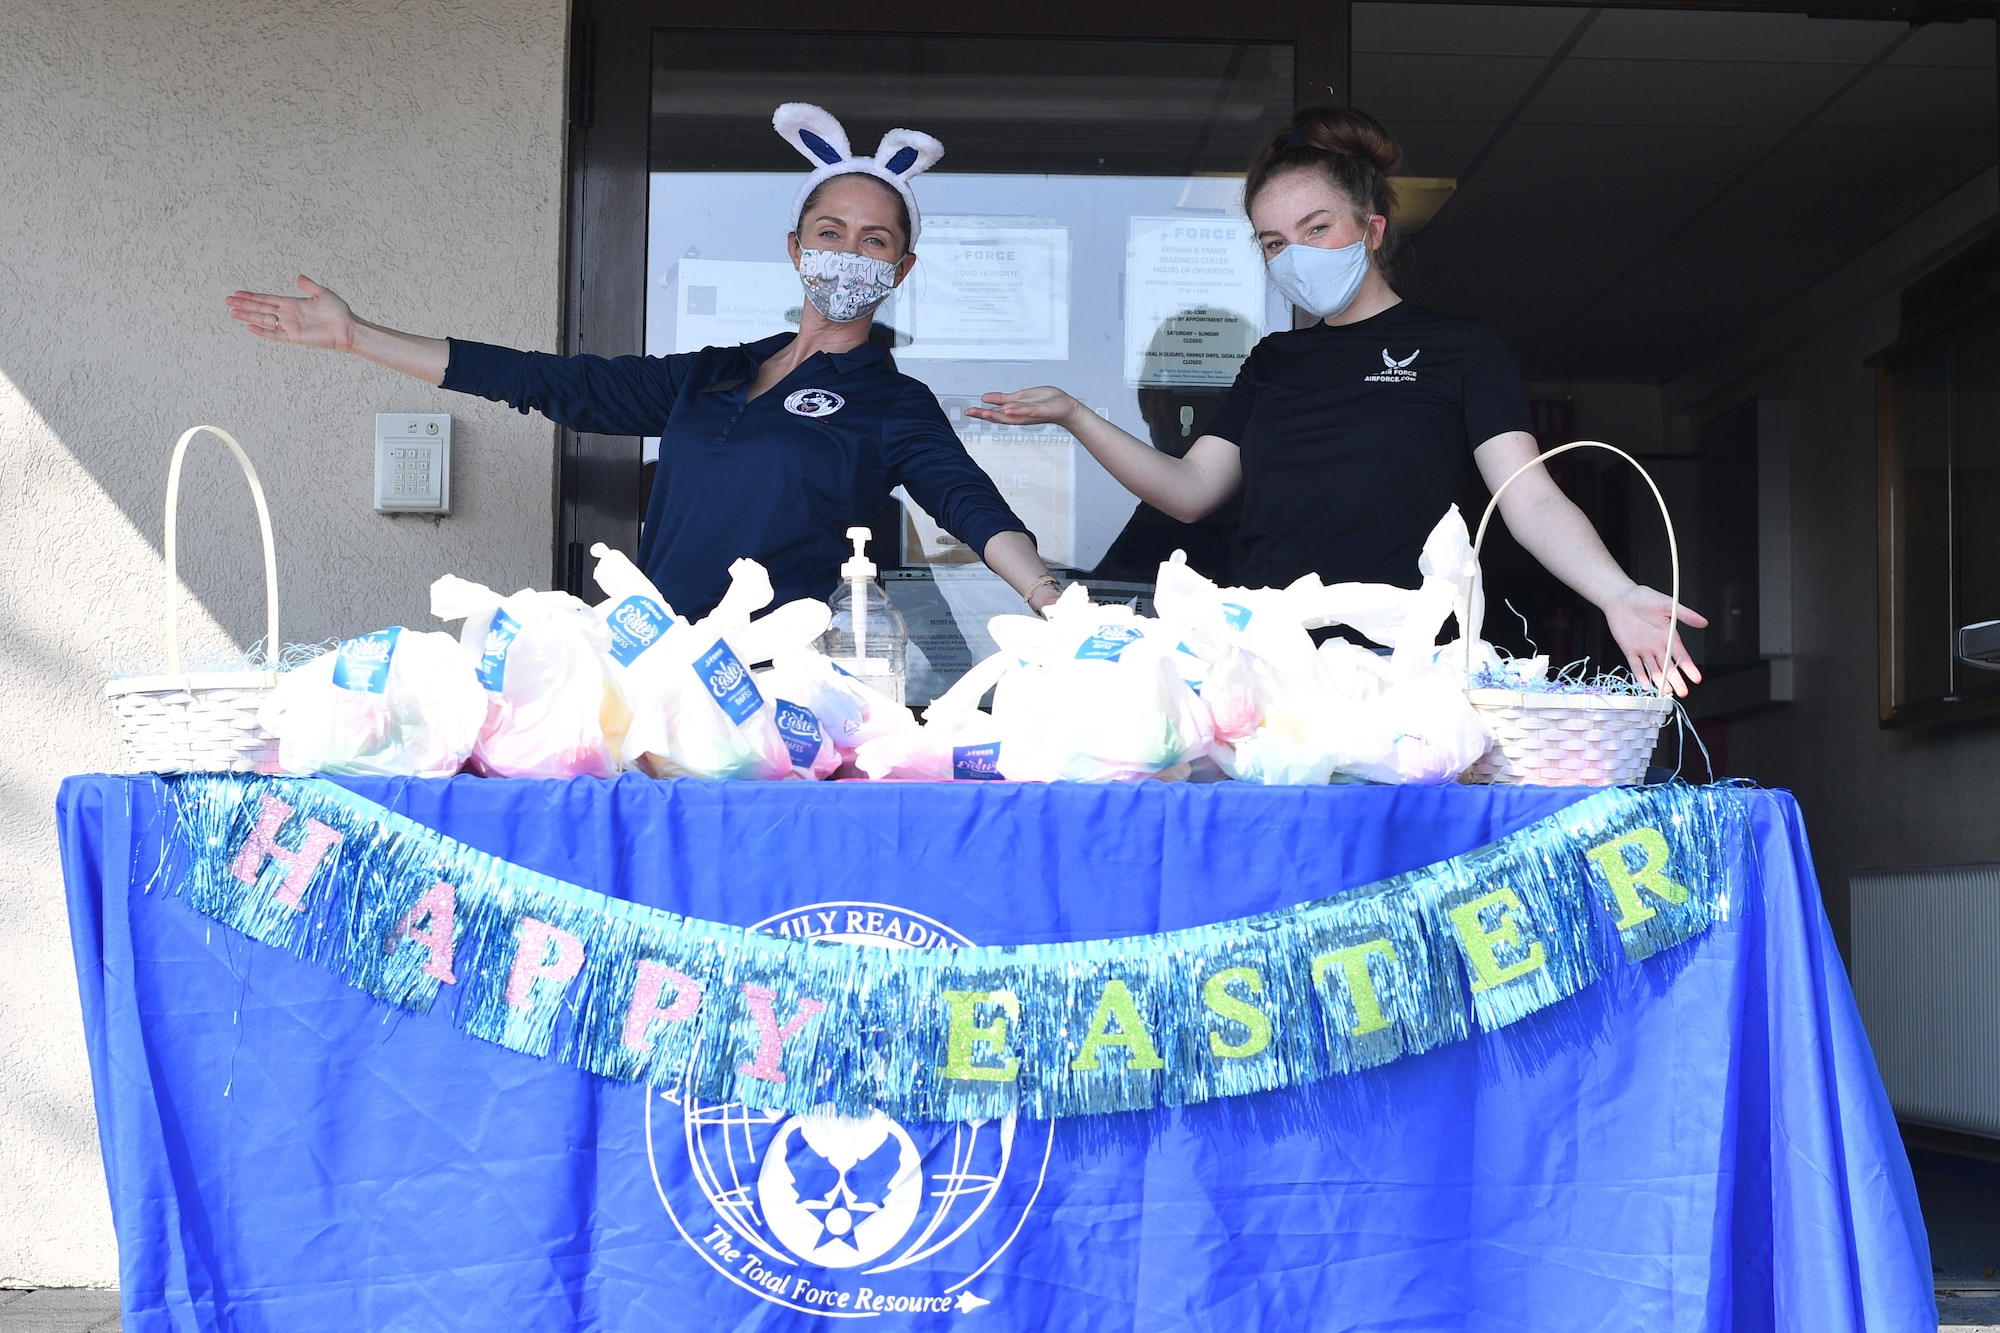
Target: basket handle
(271, 641)
(1673, 551)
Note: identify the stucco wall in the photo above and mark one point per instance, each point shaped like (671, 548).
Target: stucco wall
(158, 154)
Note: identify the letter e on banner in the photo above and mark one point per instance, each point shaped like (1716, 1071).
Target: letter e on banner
(964, 1035)
(300, 865)
(1482, 945)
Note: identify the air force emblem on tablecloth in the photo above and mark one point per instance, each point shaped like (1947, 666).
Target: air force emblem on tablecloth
(848, 1216)
(814, 403)
(1394, 371)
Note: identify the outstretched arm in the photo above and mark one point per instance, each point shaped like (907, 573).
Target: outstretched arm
(1557, 533)
(319, 318)
(1188, 489)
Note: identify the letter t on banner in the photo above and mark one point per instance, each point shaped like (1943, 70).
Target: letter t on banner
(299, 865)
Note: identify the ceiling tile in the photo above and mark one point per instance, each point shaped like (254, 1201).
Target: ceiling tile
(1887, 159)
(1854, 207)
(1438, 147)
(1627, 152)
(1917, 97)
(1688, 35)
(1527, 30)
(1398, 88)
(1572, 205)
(1968, 44)
(1683, 93)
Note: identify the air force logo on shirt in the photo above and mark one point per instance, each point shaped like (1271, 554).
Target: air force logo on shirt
(814, 403)
(1392, 372)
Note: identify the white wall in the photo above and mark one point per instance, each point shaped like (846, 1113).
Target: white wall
(156, 155)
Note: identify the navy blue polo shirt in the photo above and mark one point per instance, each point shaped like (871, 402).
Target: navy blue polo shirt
(779, 478)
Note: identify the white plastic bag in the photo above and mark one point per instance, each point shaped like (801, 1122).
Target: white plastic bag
(553, 709)
(396, 703)
(696, 707)
(1341, 709)
(824, 714)
(958, 742)
(1095, 695)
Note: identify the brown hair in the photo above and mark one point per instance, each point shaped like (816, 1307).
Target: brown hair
(1354, 152)
(902, 209)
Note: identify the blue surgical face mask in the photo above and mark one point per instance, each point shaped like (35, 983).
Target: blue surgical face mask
(1320, 282)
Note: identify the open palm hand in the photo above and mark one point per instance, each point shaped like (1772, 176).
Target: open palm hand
(319, 318)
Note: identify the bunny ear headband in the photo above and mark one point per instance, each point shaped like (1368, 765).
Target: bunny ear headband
(901, 155)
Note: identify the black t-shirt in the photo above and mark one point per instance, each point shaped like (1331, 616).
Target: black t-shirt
(1357, 437)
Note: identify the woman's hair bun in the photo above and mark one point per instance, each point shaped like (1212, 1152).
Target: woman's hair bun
(1350, 133)
(1351, 149)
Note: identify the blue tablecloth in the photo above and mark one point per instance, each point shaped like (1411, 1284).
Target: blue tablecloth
(1696, 1142)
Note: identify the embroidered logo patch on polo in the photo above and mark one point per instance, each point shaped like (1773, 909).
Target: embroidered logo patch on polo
(814, 403)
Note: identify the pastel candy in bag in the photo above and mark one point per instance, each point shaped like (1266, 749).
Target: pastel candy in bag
(393, 703)
(958, 741)
(826, 715)
(696, 707)
(1098, 697)
(553, 709)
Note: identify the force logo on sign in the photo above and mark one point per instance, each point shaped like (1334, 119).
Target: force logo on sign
(847, 1216)
(1393, 371)
(814, 403)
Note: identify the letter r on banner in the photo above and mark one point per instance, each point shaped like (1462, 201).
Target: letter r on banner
(1626, 882)
(654, 980)
(299, 865)
(532, 962)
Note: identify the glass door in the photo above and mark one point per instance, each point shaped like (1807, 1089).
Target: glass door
(1084, 229)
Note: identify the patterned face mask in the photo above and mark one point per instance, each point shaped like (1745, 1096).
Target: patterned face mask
(845, 287)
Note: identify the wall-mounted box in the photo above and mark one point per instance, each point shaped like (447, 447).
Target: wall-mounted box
(413, 462)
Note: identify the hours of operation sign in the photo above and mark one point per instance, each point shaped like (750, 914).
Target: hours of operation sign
(1194, 300)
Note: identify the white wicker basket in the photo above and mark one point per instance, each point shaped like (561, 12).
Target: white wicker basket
(1570, 739)
(204, 722)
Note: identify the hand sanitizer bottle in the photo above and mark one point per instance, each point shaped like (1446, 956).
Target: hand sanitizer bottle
(867, 638)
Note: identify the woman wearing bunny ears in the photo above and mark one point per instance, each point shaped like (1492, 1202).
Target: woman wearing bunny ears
(770, 450)
(1348, 439)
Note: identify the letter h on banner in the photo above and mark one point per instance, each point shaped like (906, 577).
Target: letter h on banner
(299, 865)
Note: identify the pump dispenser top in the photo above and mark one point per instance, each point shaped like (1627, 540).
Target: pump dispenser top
(860, 566)
(866, 637)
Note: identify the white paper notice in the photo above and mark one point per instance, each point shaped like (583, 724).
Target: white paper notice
(722, 302)
(987, 293)
(1034, 470)
(1194, 300)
